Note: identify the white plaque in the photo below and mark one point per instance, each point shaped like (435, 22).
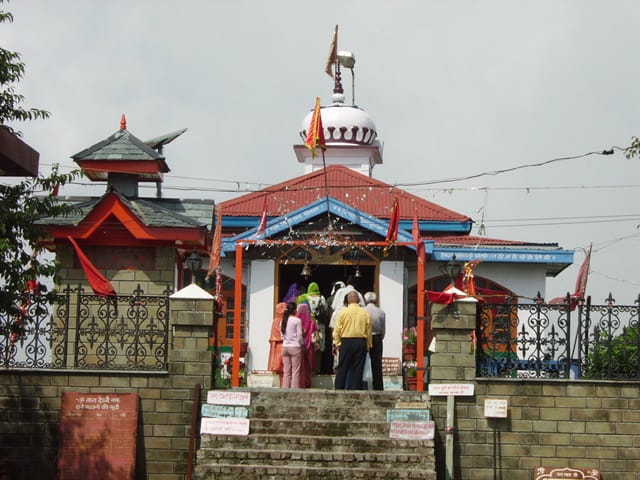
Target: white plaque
(412, 430)
(495, 407)
(447, 389)
(228, 397)
(225, 426)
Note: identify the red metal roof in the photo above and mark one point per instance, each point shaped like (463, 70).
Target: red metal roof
(455, 240)
(364, 193)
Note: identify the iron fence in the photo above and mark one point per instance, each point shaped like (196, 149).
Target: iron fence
(87, 331)
(570, 340)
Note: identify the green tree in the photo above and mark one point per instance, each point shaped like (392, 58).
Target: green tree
(615, 356)
(22, 204)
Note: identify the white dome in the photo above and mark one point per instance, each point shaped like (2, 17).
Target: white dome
(344, 124)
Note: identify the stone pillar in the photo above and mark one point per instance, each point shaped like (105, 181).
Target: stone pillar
(191, 321)
(454, 326)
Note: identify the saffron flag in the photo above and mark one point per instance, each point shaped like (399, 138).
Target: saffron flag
(394, 220)
(262, 226)
(392, 229)
(315, 134)
(583, 274)
(216, 243)
(417, 240)
(99, 284)
(333, 53)
(445, 297)
(468, 284)
(581, 285)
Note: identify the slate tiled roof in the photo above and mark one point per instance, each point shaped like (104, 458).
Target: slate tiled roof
(364, 193)
(153, 212)
(122, 145)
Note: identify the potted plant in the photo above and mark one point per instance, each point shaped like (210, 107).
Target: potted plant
(409, 340)
(410, 369)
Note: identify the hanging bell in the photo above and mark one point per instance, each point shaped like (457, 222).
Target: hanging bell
(306, 270)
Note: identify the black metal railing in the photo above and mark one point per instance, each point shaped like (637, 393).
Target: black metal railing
(570, 340)
(87, 331)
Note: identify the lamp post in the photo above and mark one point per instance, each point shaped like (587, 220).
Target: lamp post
(194, 262)
(451, 269)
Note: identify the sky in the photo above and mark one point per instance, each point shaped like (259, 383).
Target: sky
(456, 88)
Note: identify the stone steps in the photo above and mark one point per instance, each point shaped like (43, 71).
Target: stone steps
(323, 443)
(318, 434)
(340, 472)
(311, 458)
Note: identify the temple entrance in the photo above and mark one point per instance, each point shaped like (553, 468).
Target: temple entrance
(325, 276)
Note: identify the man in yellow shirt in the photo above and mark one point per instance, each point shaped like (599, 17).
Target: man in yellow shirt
(352, 336)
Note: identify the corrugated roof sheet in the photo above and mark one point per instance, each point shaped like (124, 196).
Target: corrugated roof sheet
(367, 194)
(466, 240)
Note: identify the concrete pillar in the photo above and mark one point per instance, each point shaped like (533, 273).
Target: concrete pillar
(191, 321)
(454, 326)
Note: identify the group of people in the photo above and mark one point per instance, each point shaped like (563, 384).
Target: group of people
(307, 330)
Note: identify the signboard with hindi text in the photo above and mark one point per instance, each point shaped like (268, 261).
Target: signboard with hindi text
(554, 473)
(221, 411)
(98, 434)
(495, 407)
(225, 426)
(407, 415)
(453, 389)
(228, 397)
(412, 430)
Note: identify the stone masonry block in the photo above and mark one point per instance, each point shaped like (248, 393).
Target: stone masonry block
(555, 413)
(600, 427)
(585, 440)
(572, 452)
(571, 427)
(589, 414)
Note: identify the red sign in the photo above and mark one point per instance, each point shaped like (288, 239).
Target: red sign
(98, 436)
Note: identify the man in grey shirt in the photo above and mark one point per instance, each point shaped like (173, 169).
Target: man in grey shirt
(377, 332)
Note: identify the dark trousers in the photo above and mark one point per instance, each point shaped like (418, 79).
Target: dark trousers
(376, 362)
(353, 352)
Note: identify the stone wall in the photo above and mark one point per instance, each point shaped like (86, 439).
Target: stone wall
(30, 404)
(153, 268)
(551, 423)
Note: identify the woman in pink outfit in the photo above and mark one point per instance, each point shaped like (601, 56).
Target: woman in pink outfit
(292, 347)
(308, 353)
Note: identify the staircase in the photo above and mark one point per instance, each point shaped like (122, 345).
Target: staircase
(318, 434)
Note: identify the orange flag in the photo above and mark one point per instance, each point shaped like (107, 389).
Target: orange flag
(392, 229)
(262, 226)
(97, 281)
(417, 240)
(394, 220)
(216, 243)
(315, 134)
(468, 284)
(583, 274)
(581, 285)
(333, 53)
